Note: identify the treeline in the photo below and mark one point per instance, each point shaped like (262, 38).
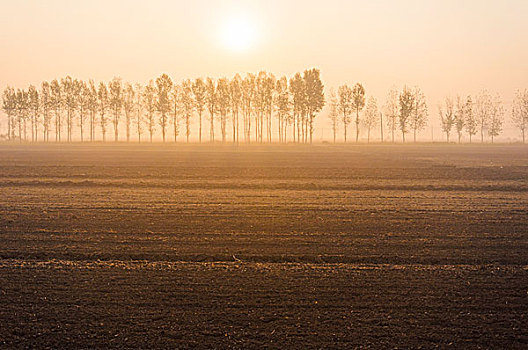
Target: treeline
(246, 105)
(260, 106)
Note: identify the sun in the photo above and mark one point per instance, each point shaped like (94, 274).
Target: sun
(238, 33)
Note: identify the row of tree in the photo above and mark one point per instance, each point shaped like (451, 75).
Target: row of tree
(247, 105)
(260, 106)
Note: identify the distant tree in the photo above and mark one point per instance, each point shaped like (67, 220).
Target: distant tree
(407, 106)
(248, 99)
(470, 122)
(299, 97)
(211, 100)
(418, 119)
(371, 116)
(447, 116)
(103, 100)
(9, 107)
(70, 90)
(22, 103)
(138, 105)
(358, 102)
(57, 102)
(34, 110)
(519, 116)
(45, 104)
(261, 93)
(482, 110)
(333, 113)
(460, 117)
(392, 110)
(177, 109)
(115, 103)
(282, 106)
(163, 101)
(129, 106)
(199, 94)
(496, 117)
(345, 106)
(235, 94)
(83, 101)
(223, 98)
(187, 104)
(314, 96)
(150, 103)
(93, 106)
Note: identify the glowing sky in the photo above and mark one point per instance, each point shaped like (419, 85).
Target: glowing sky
(444, 46)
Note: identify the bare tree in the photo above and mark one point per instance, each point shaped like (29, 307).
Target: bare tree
(471, 122)
(345, 106)
(22, 103)
(358, 102)
(115, 88)
(406, 110)
(248, 99)
(496, 118)
(177, 109)
(460, 117)
(483, 106)
(519, 116)
(70, 90)
(418, 119)
(282, 106)
(211, 100)
(235, 94)
(163, 101)
(199, 93)
(314, 96)
(83, 101)
(187, 103)
(298, 91)
(57, 102)
(129, 105)
(45, 103)
(371, 116)
(9, 107)
(93, 106)
(333, 113)
(392, 110)
(223, 102)
(34, 109)
(447, 116)
(102, 97)
(149, 101)
(138, 105)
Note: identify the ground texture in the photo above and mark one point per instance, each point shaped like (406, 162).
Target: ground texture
(263, 247)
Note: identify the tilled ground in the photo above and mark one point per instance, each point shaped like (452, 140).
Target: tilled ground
(290, 247)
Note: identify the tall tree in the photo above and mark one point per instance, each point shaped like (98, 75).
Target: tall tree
(163, 101)
(519, 116)
(211, 100)
(34, 110)
(199, 94)
(57, 102)
(460, 117)
(345, 106)
(496, 117)
(83, 100)
(177, 109)
(298, 92)
(223, 104)
(407, 103)
(45, 103)
(138, 105)
(371, 116)
(392, 111)
(93, 106)
(483, 106)
(248, 100)
(283, 107)
(149, 101)
(471, 122)
(103, 100)
(115, 89)
(235, 94)
(314, 96)
(447, 116)
(9, 107)
(333, 113)
(70, 90)
(187, 103)
(418, 119)
(358, 102)
(129, 106)
(22, 103)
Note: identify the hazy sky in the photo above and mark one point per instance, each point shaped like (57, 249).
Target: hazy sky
(444, 46)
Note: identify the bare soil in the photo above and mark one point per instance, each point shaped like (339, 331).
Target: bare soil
(121, 246)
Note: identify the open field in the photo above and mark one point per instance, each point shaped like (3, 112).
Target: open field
(274, 247)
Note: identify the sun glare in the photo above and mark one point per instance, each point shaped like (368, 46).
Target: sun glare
(239, 33)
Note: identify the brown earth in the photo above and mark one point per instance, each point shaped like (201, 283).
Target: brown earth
(263, 247)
